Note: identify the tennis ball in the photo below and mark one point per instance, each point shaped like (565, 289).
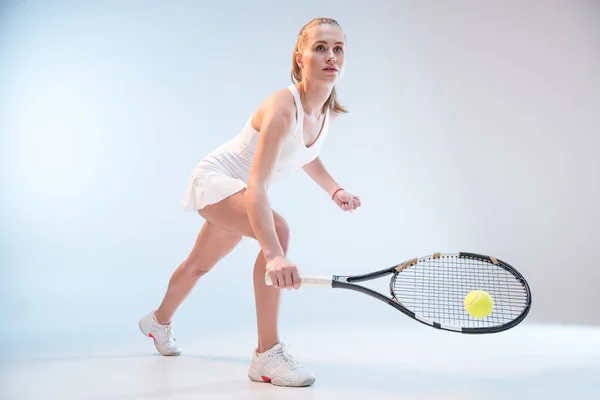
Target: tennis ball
(479, 304)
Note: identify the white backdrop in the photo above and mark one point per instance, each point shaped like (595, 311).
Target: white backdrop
(473, 127)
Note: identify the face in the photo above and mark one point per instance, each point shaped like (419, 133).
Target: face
(322, 56)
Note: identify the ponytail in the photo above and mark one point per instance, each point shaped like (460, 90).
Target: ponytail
(333, 104)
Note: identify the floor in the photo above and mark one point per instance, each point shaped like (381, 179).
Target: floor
(396, 361)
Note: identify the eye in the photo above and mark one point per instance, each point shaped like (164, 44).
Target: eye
(320, 47)
(339, 49)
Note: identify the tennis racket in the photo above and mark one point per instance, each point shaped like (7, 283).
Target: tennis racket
(432, 289)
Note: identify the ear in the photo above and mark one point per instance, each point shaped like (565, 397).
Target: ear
(299, 59)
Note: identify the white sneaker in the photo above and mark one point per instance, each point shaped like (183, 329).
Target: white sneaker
(278, 367)
(163, 335)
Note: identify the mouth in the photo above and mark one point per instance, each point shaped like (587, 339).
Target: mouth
(330, 69)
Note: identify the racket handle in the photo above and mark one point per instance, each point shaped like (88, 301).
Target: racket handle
(308, 280)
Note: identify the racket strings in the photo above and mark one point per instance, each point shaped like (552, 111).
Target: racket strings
(435, 289)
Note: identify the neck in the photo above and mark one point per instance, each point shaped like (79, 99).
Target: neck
(313, 96)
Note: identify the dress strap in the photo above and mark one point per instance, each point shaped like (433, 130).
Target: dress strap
(296, 95)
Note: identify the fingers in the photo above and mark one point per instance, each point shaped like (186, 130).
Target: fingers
(285, 279)
(289, 283)
(290, 278)
(350, 203)
(349, 206)
(280, 279)
(297, 281)
(275, 278)
(284, 276)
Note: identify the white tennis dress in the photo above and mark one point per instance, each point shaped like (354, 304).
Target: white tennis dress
(225, 170)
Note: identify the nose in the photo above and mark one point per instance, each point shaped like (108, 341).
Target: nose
(331, 59)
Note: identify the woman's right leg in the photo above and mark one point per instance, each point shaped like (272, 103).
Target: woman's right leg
(213, 243)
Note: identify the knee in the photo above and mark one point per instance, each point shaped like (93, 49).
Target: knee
(283, 232)
(195, 267)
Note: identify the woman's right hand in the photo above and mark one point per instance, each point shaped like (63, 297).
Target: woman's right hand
(283, 273)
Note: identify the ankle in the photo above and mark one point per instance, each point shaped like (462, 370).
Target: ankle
(160, 318)
(266, 346)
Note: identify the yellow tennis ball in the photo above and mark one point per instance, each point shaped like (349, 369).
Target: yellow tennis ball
(479, 304)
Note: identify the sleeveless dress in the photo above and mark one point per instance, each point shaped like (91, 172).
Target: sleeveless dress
(226, 169)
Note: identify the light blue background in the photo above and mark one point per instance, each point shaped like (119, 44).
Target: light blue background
(473, 127)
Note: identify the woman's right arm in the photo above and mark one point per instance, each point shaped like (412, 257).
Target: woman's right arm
(278, 121)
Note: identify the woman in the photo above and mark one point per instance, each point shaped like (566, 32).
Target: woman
(229, 190)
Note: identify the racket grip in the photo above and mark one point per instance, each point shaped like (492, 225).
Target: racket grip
(308, 280)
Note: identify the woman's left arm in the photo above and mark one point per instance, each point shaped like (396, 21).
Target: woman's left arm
(316, 170)
(345, 200)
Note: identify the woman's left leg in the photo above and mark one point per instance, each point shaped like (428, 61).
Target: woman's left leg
(267, 298)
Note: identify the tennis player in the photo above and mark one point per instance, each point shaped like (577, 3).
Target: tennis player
(229, 190)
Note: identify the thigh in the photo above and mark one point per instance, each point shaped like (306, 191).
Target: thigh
(231, 214)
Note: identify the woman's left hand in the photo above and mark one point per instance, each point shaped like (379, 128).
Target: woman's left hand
(346, 201)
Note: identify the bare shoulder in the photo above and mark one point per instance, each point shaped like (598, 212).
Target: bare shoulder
(278, 108)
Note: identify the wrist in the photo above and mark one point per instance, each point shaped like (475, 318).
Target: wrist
(271, 255)
(336, 192)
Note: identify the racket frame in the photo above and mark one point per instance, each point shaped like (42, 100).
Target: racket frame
(348, 282)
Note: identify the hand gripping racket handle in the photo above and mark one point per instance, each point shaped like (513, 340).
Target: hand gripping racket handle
(308, 280)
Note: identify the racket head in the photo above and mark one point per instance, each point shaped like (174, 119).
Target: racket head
(433, 288)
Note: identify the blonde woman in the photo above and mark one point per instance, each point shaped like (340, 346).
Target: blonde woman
(229, 189)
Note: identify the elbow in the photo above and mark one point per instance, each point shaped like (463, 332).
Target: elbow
(255, 192)
(257, 184)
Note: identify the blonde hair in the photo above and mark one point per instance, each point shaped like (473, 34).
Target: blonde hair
(332, 102)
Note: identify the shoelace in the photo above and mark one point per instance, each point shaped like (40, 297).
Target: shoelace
(283, 354)
(168, 330)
